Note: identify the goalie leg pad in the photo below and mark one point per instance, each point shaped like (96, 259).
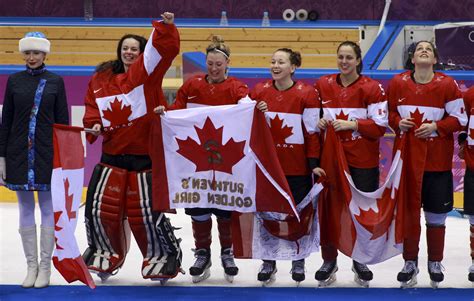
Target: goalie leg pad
(106, 233)
(152, 230)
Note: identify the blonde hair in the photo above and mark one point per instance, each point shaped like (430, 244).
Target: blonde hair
(217, 45)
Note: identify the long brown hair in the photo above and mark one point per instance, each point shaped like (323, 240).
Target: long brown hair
(117, 64)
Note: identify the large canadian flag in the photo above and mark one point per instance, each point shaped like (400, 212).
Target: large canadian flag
(217, 157)
(368, 227)
(66, 190)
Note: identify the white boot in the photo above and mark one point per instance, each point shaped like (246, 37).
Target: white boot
(30, 247)
(47, 247)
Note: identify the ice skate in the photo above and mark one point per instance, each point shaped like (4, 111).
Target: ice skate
(200, 271)
(267, 272)
(471, 273)
(298, 271)
(230, 269)
(407, 275)
(104, 276)
(362, 274)
(326, 274)
(435, 269)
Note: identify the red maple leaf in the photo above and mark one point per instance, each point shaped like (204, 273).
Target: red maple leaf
(418, 118)
(377, 223)
(471, 133)
(347, 134)
(69, 199)
(211, 154)
(279, 132)
(57, 215)
(116, 114)
(342, 116)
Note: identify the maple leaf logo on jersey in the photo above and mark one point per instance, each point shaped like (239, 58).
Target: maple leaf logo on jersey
(279, 132)
(116, 114)
(342, 116)
(211, 154)
(418, 118)
(347, 134)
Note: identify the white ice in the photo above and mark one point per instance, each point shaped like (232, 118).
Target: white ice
(456, 259)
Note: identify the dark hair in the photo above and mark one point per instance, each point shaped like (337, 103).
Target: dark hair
(117, 64)
(411, 51)
(295, 56)
(357, 52)
(217, 45)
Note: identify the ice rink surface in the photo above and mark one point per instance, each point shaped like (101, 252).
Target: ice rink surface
(456, 260)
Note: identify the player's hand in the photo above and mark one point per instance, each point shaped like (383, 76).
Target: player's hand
(406, 124)
(159, 110)
(262, 106)
(425, 130)
(168, 18)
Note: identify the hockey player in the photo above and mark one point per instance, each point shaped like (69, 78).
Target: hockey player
(212, 89)
(466, 152)
(119, 192)
(356, 106)
(292, 109)
(429, 105)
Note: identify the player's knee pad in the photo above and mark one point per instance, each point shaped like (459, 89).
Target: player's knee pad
(107, 235)
(152, 230)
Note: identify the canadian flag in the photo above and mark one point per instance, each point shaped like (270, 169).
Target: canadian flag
(369, 227)
(217, 157)
(276, 236)
(66, 190)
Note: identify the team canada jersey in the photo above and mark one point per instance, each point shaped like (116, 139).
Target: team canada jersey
(123, 103)
(197, 92)
(365, 101)
(469, 148)
(438, 101)
(293, 115)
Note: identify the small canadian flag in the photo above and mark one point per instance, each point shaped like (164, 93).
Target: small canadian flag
(66, 190)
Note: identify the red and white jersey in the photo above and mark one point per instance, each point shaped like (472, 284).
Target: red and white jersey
(293, 115)
(438, 101)
(365, 101)
(197, 92)
(469, 149)
(123, 103)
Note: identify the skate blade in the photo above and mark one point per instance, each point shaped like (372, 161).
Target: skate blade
(434, 284)
(202, 277)
(269, 281)
(410, 283)
(229, 278)
(328, 281)
(161, 280)
(102, 275)
(363, 283)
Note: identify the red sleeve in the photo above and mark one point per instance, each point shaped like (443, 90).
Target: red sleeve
(181, 96)
(393, 115)
(241, 90)
(92, 114)
(165, 39)
(454, 120)
(257, 91)
(311, 111)
(374, 127)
